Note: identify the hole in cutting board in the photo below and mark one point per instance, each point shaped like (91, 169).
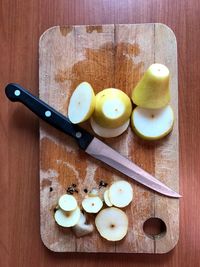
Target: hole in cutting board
(154, 227)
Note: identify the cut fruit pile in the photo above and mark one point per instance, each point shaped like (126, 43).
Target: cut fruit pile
(111, 222)
(110, 111)
(153, 118)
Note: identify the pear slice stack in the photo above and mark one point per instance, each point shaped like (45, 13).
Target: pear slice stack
(112, 113)
(153, 119)
(68, 213)
(112, 109)
(67, 202)
(67, 218)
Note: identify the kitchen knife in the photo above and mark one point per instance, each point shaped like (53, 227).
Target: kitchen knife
(90, 144)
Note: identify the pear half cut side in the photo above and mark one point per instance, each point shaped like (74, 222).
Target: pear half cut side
(82, 103)
(152, 124)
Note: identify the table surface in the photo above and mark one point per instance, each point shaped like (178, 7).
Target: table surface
(22, 22)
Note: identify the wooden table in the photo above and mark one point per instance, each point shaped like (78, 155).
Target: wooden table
(22, 22)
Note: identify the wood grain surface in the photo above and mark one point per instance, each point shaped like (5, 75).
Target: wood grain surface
(114, 55)
(22, 22)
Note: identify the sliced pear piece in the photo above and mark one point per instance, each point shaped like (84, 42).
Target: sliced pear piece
(107, 199)
(112, 108)
(67, 218)
(82, 103)
(112, 224)
(82, 228)
(93, 193)
(120, 194)
(108, 132)
(152, 124)
(67, 202)
(152, 91)
(92, 204)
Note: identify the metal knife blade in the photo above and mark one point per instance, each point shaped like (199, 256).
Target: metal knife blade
(111, 157)
(86, 141)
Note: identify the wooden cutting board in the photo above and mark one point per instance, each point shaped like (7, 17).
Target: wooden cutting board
(106, 56)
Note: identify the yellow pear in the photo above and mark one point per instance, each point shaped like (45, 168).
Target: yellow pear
(112, 108)
(152, 91)
(108, 132)
(82, 103)
(152, 124)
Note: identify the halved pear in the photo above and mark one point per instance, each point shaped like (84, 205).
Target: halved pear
(107, 199)
(152, 91)
(112, 108)
(67, 202)
(152, 124)
(67, 218)
(92, 204)
(120, 194)
(112, 224)
(108, 132)
(82, 228)
(82, 103)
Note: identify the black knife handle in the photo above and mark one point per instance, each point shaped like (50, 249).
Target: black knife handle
(16, 93)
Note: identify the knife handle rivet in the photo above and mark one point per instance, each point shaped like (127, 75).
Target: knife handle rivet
(17, 92)
(78, 134)
(48, 113)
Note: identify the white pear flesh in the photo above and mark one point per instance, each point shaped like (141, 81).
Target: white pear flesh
(120, 194)
(112, 108)
(152, 124)
(82, 103)
(67, 218)
(107, 199)
(108, 132)
(112, 224)
(67, 202)
(93, 193)
(82, 228)
(92, 204)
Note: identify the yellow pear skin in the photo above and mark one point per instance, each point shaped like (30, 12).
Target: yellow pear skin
(152, 91)
(112, 108)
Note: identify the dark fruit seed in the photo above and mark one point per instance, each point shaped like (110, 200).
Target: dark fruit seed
(50, 189)
(76, 191)
(74, 185)
(85, 190)
(102, 183)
